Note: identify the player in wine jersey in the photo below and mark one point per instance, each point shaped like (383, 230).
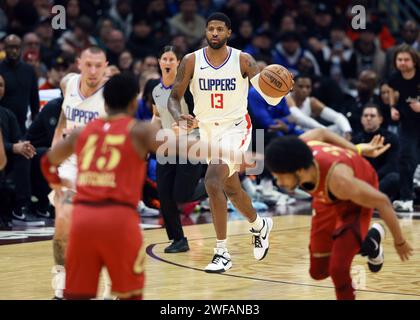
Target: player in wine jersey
(83, 102)
(345, 191)
(219, 76)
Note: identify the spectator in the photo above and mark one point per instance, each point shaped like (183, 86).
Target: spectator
(385, 106)
(323, 17)
(336, 58)
(260, 47)
(80, 38)
(305, 17)
(40, 134)
(188, 22)
(150, 64)
(179, 41)
(21, 83)
(114, 46)
(158, 13)
(23, 17)
(103, 29)
(275, 120)
(126, 61)
(18, 166)
(58, 70)
(141, 42)
(239, 10)
(122, 16)
(32, 55)
(49, 48)
(287, 24)
(386, 165)
(406, 109)
(145, 108)
(324, 88)
(365, 86)
(289, 51)
(72, 13)
(43, 8)
(369, 55)
(410, 34)
(244, 36)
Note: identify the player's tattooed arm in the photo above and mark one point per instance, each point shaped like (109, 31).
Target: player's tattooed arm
(249, 67)
(182, 80)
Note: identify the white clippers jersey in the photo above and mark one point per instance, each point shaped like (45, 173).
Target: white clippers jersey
(220, 94)
(79, 110)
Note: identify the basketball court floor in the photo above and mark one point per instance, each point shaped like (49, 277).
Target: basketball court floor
(26, 261)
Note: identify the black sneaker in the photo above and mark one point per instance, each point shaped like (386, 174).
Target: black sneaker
(22, 217)
(178, 246)
(373, 249)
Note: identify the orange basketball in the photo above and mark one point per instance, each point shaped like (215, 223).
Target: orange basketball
(275, 81)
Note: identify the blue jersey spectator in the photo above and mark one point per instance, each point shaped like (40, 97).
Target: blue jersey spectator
(274, 119)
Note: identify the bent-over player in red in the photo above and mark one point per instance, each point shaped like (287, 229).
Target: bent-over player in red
(345, 191)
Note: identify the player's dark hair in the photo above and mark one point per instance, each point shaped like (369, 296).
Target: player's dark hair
(303, 76)
(287, 155)
(219, 16)
(171, 49)
(95, 50)
(120, 90)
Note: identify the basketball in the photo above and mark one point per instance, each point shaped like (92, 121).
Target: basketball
(275, 81)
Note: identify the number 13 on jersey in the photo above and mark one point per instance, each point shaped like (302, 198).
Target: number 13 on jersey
(217, 100)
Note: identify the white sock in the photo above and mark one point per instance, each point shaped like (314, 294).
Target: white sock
(221, 244)
(257, 224)
(58, 281)
(107, 285)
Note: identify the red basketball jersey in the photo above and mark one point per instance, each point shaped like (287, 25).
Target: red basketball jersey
(326, 157)
(109, 168)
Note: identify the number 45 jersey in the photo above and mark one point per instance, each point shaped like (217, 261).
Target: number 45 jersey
(109, 168)
(220, 93)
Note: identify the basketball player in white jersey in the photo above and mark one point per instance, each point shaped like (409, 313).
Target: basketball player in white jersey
(83, 102)
(219, 76)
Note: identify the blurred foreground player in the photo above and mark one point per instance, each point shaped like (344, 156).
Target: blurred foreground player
(345, 191)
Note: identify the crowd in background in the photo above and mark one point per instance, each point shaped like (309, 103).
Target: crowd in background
(341, 75)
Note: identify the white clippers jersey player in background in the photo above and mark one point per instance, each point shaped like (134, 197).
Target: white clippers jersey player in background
(83, 102)
(218, 76)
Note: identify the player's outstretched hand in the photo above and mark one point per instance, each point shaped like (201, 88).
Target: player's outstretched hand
(404, 250)
(375, 147)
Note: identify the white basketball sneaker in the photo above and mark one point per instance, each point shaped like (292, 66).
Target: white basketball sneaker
(221, 261)
(58, 281)
(261, 243)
